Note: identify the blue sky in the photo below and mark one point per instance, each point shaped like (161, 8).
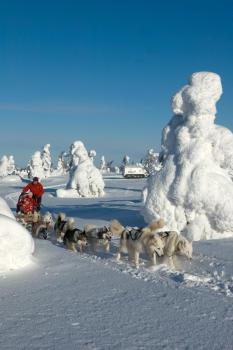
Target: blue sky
(104, 71)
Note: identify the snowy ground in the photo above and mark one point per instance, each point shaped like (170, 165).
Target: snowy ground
(89, 301)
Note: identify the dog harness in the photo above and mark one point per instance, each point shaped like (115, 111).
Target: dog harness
(74, 235)
(99, 233)
(164, 234)
(132, 233)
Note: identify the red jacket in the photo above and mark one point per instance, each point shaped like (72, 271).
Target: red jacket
(37, 189)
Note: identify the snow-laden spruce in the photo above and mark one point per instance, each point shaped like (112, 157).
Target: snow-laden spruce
(36, 166)
(85, 179)
(61, 168)
(4, 167)
(11, 165)
(151, 162)
(103, 165)
(193, 191)
(7, 168)
(16, 243)
(46, 160)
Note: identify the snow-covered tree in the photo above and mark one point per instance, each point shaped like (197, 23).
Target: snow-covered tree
(92, 154)
(151, 162)
(103, 167)
(4, 166)
(193, 191)
(11, 165)
(46, 160)
(62, 165)
(117, 170)
(36, 166)
(126, 160)
(85, 179)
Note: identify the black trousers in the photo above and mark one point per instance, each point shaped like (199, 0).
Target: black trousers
(38, 201)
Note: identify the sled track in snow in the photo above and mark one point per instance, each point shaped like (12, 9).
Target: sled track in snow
(162, 274)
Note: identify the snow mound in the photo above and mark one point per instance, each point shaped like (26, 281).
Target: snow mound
(16, 246)
(16, 243)
(193, 191)
(4, 209)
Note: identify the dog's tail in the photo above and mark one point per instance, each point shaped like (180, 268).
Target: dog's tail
(155, 225)
(116, 228)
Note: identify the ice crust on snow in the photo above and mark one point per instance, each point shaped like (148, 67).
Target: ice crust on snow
(16, 243)
(85, 179)
(193, 191)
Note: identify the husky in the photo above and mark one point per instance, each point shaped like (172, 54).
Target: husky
(62, 224)
(74, 237)
(175, 244)
(43, 226)
(96, 235)
(136, 240)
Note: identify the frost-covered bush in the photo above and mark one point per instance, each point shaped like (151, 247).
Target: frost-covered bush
(85, 179)
(35, 166)
(46, 160)
(193, 191)
(16, 243)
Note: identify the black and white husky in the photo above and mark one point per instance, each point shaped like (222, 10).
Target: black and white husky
(98, 235)
(62, 224)
(74, 238)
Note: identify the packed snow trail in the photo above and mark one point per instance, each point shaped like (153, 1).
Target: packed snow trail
(89, 301)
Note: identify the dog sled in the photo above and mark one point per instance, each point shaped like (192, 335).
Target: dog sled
(39, 225)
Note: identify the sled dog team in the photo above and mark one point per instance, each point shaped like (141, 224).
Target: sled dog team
(150, 239)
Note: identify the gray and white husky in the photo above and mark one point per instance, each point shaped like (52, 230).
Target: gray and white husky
(98, 235)
(175, 244)
(135, 240)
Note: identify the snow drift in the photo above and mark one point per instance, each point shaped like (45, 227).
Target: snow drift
(193, 191)
(16, 243)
